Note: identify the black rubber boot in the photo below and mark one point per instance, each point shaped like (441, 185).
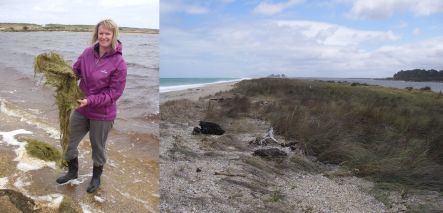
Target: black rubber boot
(72, 172)
(95, 181)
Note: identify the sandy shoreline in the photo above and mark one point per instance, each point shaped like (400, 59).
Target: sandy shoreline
(196, 93)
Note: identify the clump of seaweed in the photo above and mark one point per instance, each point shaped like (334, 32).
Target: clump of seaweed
(42, 150)
(60, 75)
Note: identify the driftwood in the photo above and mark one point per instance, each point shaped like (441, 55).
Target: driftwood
(269, 135)
(270, 153)
(268, 138)
(229, 174)
(219, 99)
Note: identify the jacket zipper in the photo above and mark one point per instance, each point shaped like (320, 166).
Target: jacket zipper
(100, 57)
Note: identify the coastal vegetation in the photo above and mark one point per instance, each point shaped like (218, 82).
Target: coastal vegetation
(419, 75)
(392, 136)
(29, 27)
(325, 135)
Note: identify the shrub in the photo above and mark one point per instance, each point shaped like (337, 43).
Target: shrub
(426, 88)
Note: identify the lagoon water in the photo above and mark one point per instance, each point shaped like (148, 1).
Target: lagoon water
(139, 102)
(435, 86)
(131, 175)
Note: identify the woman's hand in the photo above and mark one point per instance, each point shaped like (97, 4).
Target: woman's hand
(83, 102)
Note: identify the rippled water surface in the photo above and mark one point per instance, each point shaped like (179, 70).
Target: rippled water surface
(130, 178)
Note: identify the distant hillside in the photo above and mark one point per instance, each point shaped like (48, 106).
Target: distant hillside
(28, 27)
(419, 75)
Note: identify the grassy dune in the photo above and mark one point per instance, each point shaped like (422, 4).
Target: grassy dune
(388, 135)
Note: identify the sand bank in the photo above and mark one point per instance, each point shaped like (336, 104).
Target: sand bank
(195, 93)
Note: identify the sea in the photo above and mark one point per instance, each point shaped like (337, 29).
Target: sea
(28, 105)
(176, 84)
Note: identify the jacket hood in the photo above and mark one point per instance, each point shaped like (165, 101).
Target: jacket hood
(119, 47)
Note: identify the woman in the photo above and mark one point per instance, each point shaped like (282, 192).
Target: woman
(102, 73)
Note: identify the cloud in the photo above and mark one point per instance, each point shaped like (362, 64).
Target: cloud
(192, 9)
(380, 9)
(270, 8)
(402, 24)
(176, 6)
(233, 45)
(416, 31)
(126, 3)
(331, 34)
(423, 54)
(294, 47)
(50, 8)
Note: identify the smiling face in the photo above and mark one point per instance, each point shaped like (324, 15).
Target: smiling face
(105, 36)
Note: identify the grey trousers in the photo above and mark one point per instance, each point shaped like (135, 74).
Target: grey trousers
(98, 133)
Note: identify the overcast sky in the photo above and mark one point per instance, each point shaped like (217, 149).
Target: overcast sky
(127, 13)
(336, 38)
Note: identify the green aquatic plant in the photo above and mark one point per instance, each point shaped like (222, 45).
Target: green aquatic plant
(42, 150)
(60, 75)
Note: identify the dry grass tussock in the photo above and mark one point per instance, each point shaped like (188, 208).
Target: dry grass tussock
(180, 110)
(389, 135)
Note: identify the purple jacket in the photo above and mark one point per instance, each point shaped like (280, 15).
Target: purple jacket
(102, 80)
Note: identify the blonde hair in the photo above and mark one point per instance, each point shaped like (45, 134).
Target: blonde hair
(110, 25)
